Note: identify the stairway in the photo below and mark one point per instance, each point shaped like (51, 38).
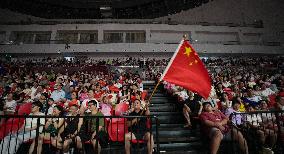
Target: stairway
(173, 137)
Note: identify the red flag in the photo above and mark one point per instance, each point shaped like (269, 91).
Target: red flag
(187, 70)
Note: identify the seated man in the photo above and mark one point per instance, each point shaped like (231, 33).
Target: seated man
(12, 142)
(88, 130)
(138, 129)
(214, 124)
(192, 108)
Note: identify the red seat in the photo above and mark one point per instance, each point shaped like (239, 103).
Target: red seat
(121, 108)
(30, 141)
(46, 141)
(117, 129)
(25, 109)
(272, 101)
(135, 141)
(14, 124)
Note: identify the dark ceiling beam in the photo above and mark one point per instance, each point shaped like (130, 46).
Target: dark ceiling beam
(79, 3)
(130, 3)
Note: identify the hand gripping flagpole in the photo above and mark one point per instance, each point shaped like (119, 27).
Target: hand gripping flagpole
(161, 78)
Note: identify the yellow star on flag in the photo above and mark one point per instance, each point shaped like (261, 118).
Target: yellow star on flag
(187, 51)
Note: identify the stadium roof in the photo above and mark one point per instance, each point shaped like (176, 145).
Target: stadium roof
(99, 9)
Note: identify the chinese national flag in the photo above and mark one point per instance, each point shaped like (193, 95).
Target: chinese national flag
(187, 70)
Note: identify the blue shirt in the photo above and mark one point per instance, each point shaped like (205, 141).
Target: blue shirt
(57, 95)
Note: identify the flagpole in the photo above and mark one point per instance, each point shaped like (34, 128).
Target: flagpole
(154, 90)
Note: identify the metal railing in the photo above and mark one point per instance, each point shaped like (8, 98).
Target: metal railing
(263, 131)
(99, 134)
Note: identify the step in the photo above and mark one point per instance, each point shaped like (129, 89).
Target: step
(171, 128)
(178, 140)
(162, 104)
(174, 134)
(148, 82)
(167, 113)
(163, 108)
(162, 101)
(163, 98)
(171, 119)
(158, 91)
(181, 152)
(159, 94)
(181, 146)
(170, 125)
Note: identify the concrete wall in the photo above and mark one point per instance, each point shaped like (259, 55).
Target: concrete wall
(159, 38)
(234, 11)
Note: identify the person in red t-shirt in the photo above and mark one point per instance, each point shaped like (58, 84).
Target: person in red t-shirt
(214, 124)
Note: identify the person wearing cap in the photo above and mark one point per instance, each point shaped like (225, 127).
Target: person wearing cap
(53, 127)
(138, 128)
(89, 130)
(12, 142)
(214, 124)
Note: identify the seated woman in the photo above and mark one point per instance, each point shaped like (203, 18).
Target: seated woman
(138, 128)
(106, 106)
(225, 102)
(74, 99)
(53, 127)
(214, 124)
(71, 127)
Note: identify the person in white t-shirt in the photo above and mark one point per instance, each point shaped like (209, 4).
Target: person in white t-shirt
(12, 142)
(10, 105)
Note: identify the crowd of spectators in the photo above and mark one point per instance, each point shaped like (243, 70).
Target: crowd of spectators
(239, 85)
(95, 92)
(82, 61)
